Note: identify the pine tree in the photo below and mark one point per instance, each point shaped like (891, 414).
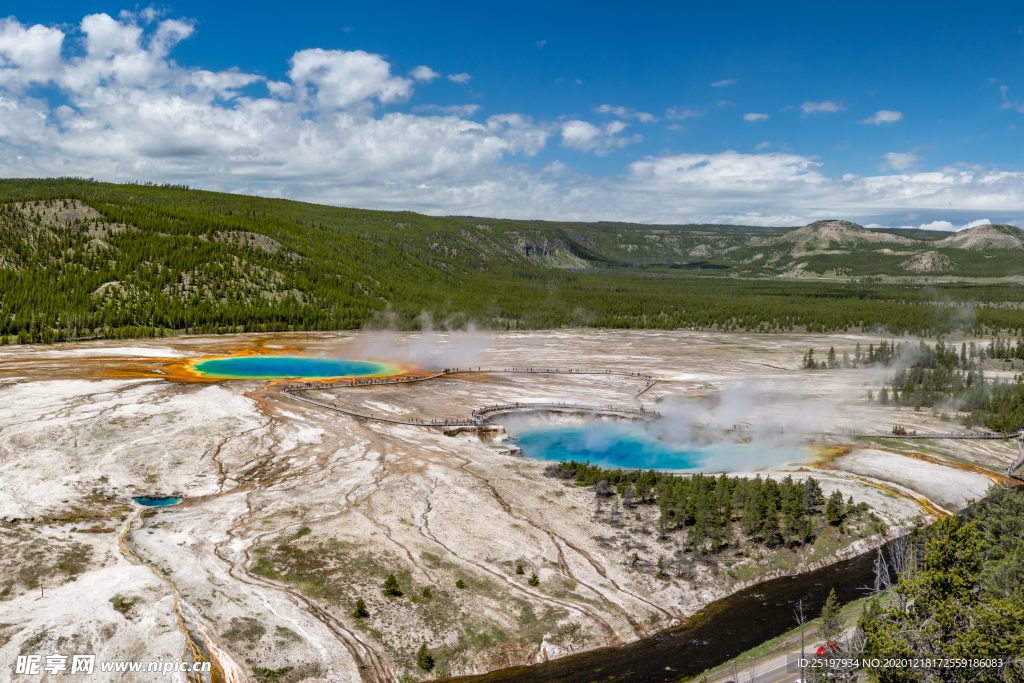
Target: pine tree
(628, 499)
(533, 580)
(812, 495)
(834, 508)
(770, 529)
(424, 659)
(360, 611)
(831, 628)
(519, 569)
(391, 587)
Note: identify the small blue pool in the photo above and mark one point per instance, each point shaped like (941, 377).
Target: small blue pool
(157, 502)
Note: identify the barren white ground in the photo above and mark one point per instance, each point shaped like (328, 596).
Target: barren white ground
(84, 428)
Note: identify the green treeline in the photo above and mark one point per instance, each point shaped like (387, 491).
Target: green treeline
(83, 259)
(714, 510)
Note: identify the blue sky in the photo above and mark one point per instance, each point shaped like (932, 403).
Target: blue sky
(889, 114)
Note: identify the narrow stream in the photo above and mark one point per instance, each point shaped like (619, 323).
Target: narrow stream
(716, 634)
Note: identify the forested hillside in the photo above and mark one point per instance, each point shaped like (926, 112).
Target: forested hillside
(81, 259)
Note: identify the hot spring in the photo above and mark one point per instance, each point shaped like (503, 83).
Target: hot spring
(637, 445)
(158, 501)
(290, 367)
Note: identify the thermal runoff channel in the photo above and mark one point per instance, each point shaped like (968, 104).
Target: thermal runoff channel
(635, 445)
(290, 367)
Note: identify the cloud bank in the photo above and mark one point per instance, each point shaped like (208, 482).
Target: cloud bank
(107, 100)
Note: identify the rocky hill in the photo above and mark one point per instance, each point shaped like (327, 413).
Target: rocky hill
(837, 235)
(985, 237)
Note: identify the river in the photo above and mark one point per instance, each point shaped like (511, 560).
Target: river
(716, 634)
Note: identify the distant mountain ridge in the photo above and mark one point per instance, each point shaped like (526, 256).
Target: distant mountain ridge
(827, 247)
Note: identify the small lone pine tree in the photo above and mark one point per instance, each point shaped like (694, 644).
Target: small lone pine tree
(424, 659)
(831, 625)
(519, 569)
(460, 584)
(427, 594)
(360, 611)
(533, 580)
(391, 588)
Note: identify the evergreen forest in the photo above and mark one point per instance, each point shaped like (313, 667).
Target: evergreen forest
(717, 512)
(83, 259)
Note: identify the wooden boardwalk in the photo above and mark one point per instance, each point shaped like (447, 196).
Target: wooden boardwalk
(294, 390)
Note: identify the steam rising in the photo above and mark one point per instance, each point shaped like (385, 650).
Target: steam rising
(745, 427)
(426, 350)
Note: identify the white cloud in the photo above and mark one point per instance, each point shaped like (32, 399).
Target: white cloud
(762, 145)
(946, 226)
(624, 113)
(460, 110)
(755, 117)
(678, 113)
(884, 116)
(541, 43)
(900, 161)
(555, 168)
(424, 74)
(459, 78)
(723, 84)
(337, 79)
(828, 106)
(29, 56)
(586, 136)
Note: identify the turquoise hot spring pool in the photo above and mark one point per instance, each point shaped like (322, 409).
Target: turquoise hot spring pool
(632, 446)
(290, 367)
(161, 501)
